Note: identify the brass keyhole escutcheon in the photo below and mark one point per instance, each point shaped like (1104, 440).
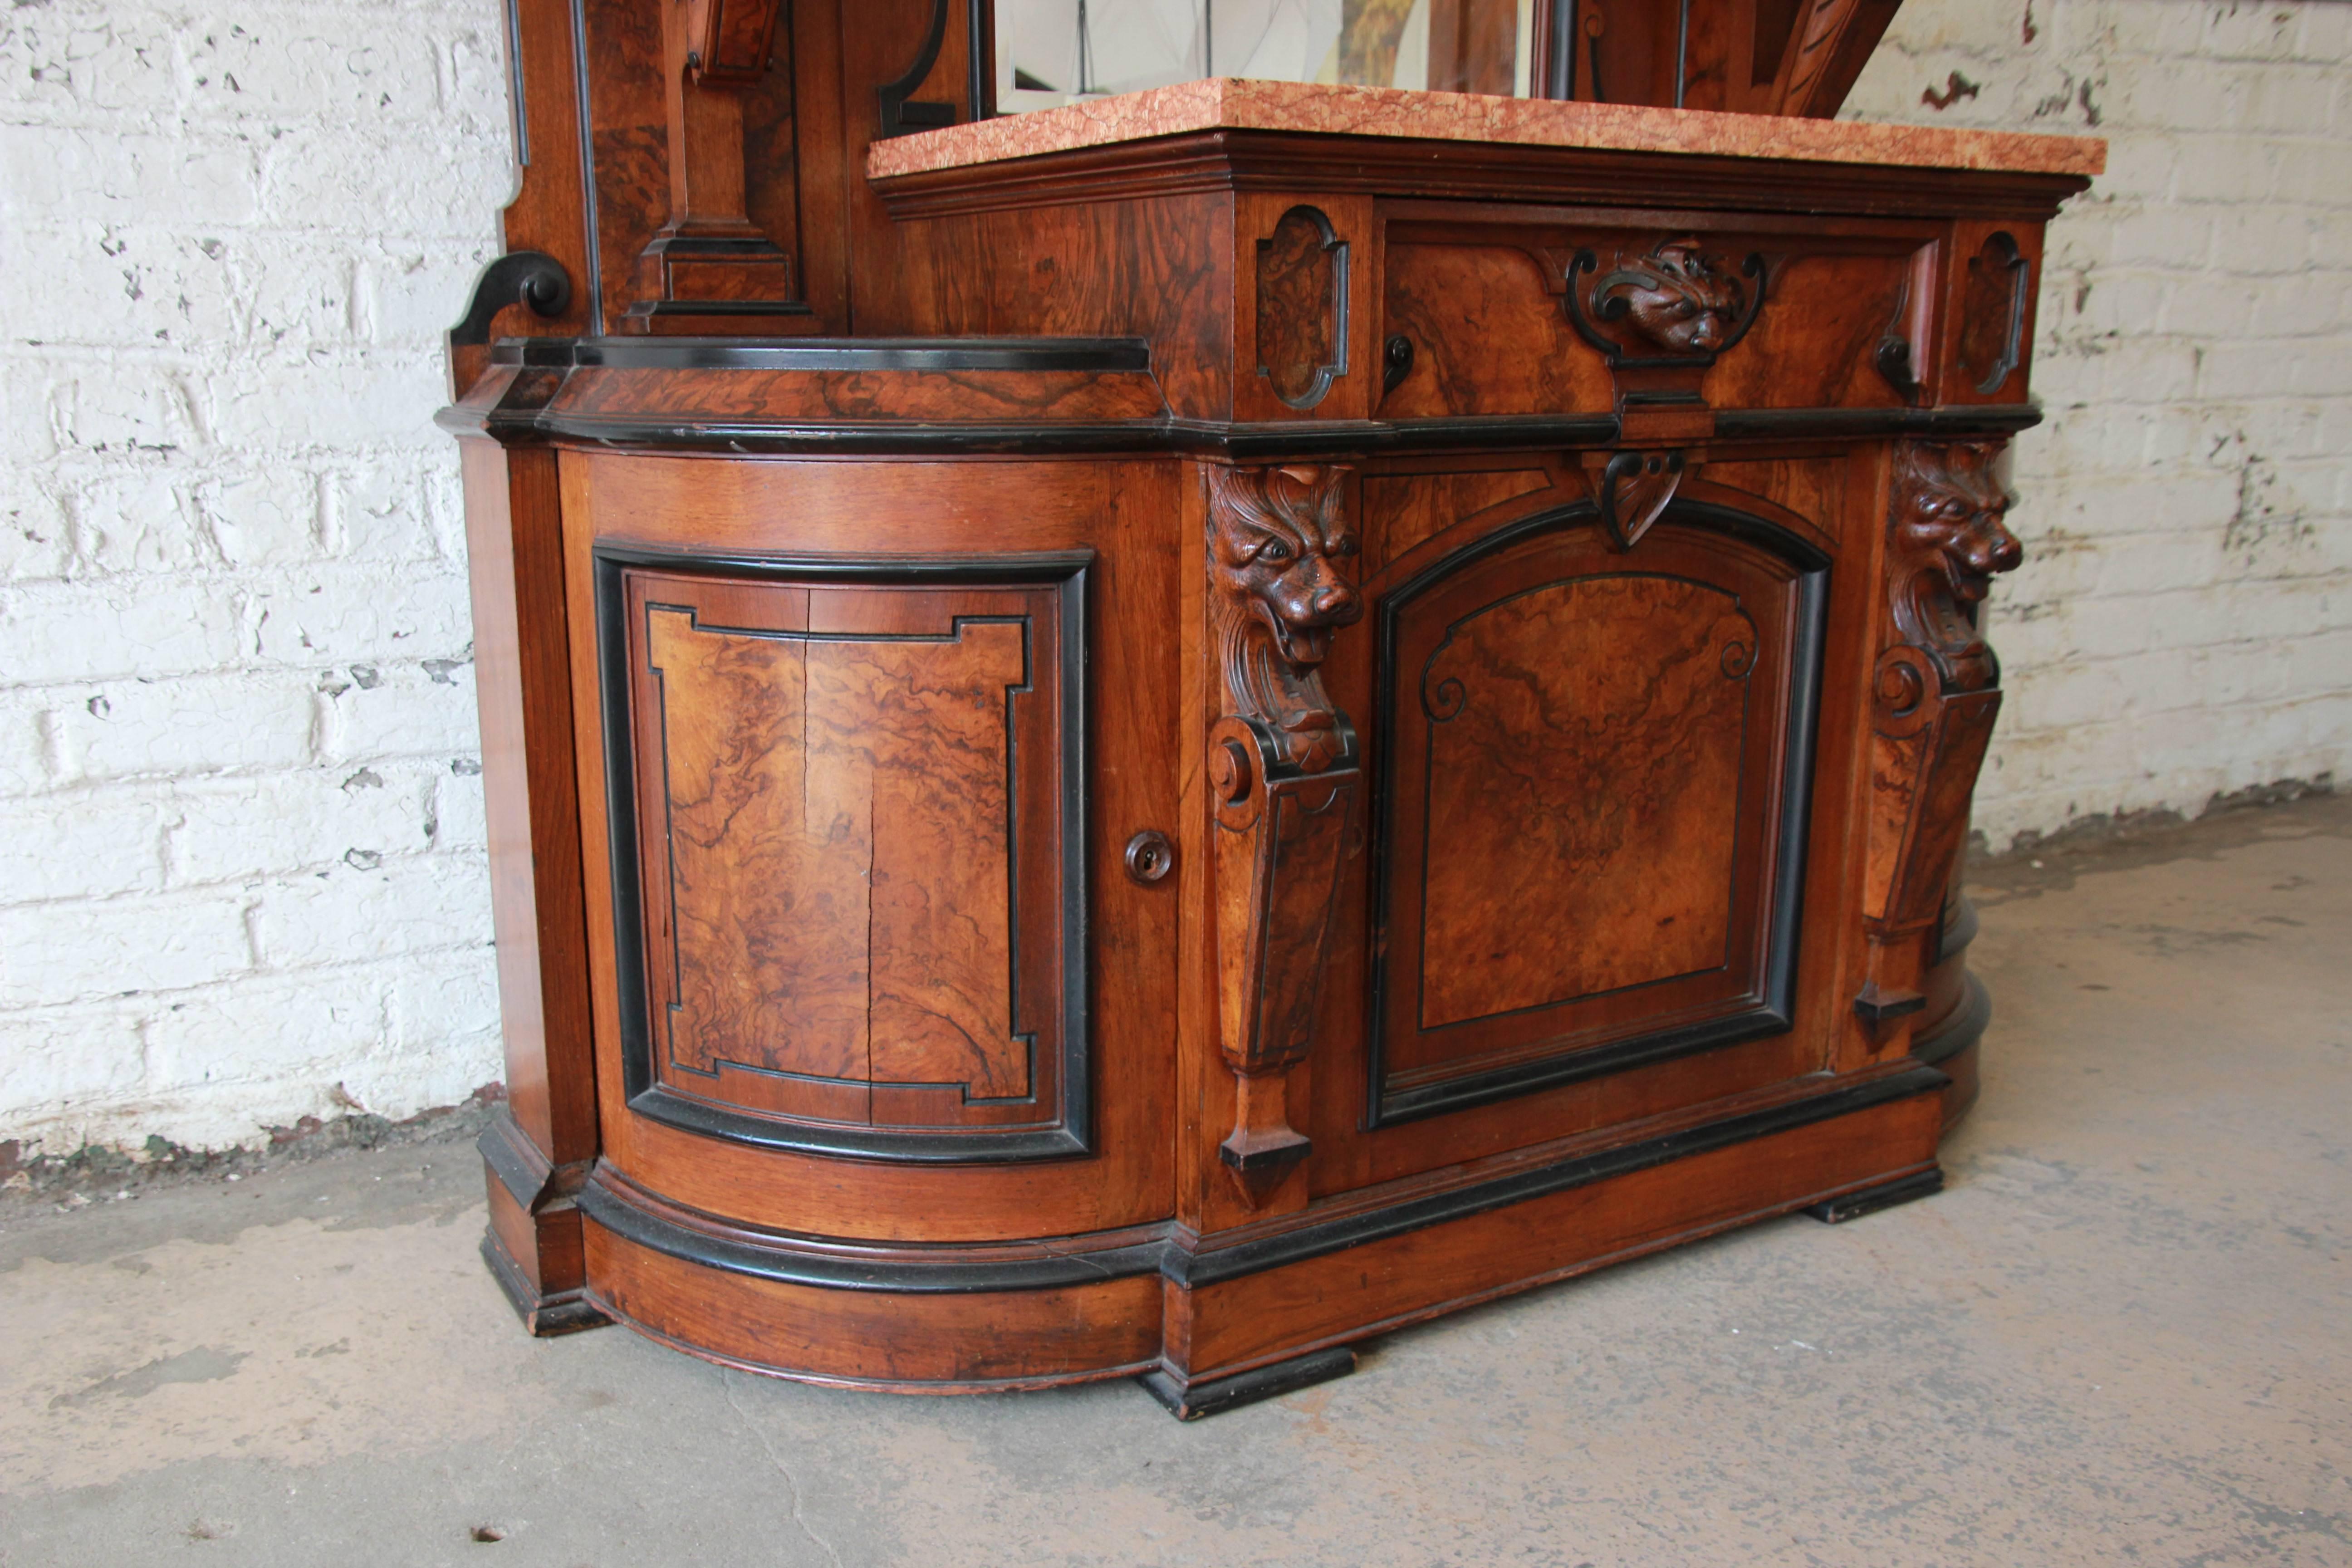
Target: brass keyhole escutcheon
(1149, 855)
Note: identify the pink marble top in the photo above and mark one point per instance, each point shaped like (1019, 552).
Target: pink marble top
(1225, 102)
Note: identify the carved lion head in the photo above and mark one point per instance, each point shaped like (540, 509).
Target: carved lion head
(1949, 512)
(1945, 542)
(1677, 297)
(1274, 546)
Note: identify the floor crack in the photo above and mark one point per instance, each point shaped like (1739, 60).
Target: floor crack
(790, 1481)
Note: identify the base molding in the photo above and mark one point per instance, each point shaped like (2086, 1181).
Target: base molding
(1189, 1401)
(1211, 1330)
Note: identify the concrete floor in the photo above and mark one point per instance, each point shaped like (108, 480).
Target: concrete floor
(2123, 1335)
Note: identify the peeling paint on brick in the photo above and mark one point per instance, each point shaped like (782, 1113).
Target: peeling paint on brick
(237, 536)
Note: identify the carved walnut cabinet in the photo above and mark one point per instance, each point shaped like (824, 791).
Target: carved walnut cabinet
(1154, 738)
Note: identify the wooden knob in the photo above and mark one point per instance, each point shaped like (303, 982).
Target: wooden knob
(1229, 770)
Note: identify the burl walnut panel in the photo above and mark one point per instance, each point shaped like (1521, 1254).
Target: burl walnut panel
(847, 816)
(1492, 312)
(1586, 802)
(1566, 777)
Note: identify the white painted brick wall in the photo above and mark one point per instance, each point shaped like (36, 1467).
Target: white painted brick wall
(2182, 626)
(241, 867)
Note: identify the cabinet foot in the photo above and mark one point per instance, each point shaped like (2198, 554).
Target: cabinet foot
(1191, 1401)
(1870, 1200)
(545, 1315)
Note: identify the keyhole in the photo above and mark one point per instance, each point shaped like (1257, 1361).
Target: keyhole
(1149, 855)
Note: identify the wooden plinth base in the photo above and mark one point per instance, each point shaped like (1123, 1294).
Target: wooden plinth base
(1870, 1200)
(544, 1313)
(1189, 1401)
(1246, 1315)
(532, 1246)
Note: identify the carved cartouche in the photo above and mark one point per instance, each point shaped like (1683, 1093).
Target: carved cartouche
(1675, 297)
(1275, 538)
(1945, 542)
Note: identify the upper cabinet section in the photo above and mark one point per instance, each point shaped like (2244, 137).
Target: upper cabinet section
(691, 165)
(753, 169)
(1757, 57)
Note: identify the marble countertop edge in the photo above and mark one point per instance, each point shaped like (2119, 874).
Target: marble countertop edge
(1231, 103)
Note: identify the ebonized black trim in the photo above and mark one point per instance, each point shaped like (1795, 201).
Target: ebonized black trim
(1963, 1028)
(1338, 249)
(1067, 572)
(1103, 354)
(1274, 442)
(1959, 420)
(1192, 1401)
(1870, 1200)
(804, 1265)
(591, 251)
(901, 116)
(1775, 1009)
(1170, 1256)
(510, 1155)
(2021, 273)
(529, 278)
(516, 97)
(1874, 1007)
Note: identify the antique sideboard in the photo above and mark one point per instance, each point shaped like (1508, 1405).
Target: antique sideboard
(1156, 737)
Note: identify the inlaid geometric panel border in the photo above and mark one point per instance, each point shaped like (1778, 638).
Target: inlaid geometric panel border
(1064, 1127)
(1772, 1007)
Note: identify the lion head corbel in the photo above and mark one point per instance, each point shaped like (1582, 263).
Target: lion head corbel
(1946, 539)
(1277, 540)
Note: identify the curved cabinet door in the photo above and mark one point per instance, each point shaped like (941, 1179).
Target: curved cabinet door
(848, 870)
(1593, 803)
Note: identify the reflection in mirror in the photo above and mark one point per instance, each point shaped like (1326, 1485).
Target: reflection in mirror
(1052, 52)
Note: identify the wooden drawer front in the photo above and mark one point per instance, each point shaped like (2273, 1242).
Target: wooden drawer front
(850, 811)
(1594, 781)
(1487, 309)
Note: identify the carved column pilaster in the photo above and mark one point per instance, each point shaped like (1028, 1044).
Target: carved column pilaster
(1935, 693)
(1284, 785)
(710, 252)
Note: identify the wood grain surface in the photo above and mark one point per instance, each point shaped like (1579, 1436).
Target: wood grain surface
(1582, 794)
(835, 839)
(1584, 802)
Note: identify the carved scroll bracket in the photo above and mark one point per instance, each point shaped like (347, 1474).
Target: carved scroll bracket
(1632, 488)
(1935, 694)
(1896, 362)
(1285, 783)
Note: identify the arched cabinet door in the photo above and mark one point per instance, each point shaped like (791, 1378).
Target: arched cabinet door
(1593, 793)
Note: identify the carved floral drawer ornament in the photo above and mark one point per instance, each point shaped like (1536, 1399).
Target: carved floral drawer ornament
(1147, 738)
